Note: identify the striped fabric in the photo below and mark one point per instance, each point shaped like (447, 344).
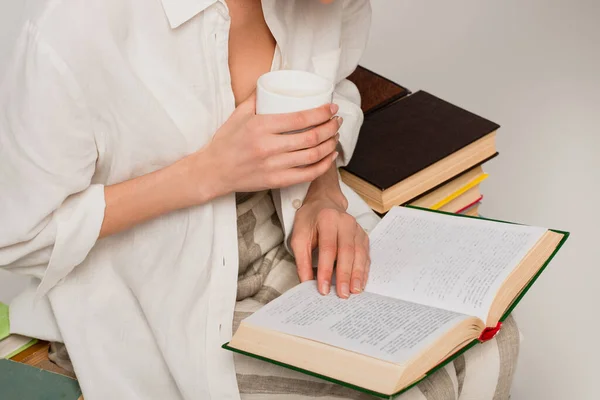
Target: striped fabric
(267, 270)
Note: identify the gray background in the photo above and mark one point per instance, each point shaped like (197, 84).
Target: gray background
(534, 67)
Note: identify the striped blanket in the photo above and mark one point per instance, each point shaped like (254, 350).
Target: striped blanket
(267, 270)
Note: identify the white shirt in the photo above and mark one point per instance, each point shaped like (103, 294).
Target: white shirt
(103, 91)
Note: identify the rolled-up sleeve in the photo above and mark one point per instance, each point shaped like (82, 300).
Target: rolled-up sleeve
(335, 64)
(355, 33)
(352, 114)
(50, 213)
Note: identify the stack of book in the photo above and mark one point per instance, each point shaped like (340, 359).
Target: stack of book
(440, 281)
(417, 149)
(26, 371)
(11, 345)
(21, 381)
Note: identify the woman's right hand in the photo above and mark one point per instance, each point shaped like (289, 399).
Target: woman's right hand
(249, 152)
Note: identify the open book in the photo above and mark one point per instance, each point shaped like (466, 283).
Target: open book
(437, 281)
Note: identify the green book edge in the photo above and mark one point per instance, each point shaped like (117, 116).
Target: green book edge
(4, 321)
(22, 348)
(5, 331)
(349, 385)
(446, 361)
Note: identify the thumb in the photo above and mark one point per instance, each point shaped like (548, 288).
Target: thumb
(244, 111)
(249, 105)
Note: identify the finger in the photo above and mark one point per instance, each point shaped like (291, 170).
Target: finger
(327, 239)
(360, 263)
(367, 245)
(279, 123)
(302, 174)
(311, 138)
(301, 244)
(304, 157)
(243, 113)
(345, 254)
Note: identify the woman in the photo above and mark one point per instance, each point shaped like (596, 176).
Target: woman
(130, 161)
(127, 129)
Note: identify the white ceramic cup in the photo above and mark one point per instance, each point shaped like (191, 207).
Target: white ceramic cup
(288, 91)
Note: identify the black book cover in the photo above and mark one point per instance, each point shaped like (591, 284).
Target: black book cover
(375, 90)
(411, 134)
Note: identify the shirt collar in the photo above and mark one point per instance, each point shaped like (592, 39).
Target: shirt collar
(180, 11)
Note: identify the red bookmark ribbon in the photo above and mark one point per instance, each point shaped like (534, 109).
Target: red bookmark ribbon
(490, 333)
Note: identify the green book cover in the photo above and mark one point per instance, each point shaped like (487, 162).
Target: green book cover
(4, 323)
(5, 332)
(446, 361)
(21, 349)
(23, 382)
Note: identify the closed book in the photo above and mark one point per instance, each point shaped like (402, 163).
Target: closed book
(472, 209)
(454, 195)
(10, 345)
(413, 146)
(375, 91)
(24, 382)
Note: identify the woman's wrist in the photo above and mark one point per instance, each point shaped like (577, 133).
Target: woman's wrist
(327, 186)
(186, 183)
(199, 175)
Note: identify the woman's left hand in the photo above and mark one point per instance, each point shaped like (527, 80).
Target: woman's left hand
(322, 222)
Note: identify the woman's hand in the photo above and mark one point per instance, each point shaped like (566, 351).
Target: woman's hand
(322, 222)
(249, 153)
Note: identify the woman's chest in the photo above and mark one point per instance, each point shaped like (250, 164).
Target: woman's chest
(158, 94)
(251, 46)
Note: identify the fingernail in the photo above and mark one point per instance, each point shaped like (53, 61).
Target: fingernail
(334, 108)
(340, 121)
(356, 285)
(325, 287)
(337, 137)
(335, 155)
(345, 290)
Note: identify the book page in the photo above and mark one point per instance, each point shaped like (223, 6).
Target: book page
(13, 343)
(445, 261)
(377, 326)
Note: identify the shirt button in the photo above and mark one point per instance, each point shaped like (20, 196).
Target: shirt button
(297, 203)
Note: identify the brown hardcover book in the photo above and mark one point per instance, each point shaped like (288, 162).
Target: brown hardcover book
(413, 146)
(375, 90)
